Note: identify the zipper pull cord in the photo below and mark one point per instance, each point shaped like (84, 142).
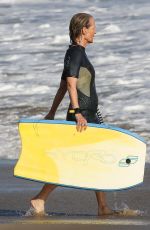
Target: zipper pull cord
(99, 115)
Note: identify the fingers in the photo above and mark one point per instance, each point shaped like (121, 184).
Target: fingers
(81, 127)
(81, 124)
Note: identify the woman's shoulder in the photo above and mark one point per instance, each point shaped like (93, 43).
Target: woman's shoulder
(76, 49)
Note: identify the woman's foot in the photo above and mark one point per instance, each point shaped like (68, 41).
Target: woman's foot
(105, 211)
(38, 205)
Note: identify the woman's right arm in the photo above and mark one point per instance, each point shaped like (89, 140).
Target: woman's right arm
(72, 89)
(58, 98)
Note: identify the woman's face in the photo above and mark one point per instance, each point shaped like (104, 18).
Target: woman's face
(91, 31)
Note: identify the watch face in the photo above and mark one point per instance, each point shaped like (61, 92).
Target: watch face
(71, 111)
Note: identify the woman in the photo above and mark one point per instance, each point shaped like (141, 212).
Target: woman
(78, 78)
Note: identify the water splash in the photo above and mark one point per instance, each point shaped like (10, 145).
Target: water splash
(32, 212)
(124, 210)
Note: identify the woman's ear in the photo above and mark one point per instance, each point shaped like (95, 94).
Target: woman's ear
(84, 30)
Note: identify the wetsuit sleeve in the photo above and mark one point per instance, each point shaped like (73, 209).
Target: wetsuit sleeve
(72, 63)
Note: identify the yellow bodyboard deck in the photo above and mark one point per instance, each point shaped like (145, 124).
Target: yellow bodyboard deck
(103, 157)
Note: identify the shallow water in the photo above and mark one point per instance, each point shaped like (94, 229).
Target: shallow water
(33, 41)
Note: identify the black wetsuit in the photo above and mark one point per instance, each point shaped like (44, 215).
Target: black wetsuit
(76, 64)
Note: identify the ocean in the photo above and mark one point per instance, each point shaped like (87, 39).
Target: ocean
(33, 41)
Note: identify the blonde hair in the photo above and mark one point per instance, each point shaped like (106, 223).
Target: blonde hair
(78, 21)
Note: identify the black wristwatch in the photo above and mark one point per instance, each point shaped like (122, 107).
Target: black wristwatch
(77, 110)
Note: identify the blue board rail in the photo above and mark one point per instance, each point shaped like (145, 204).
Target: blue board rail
(104, 125)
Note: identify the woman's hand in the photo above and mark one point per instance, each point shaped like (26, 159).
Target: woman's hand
(49, 116)
(81, 122)
(58, 98)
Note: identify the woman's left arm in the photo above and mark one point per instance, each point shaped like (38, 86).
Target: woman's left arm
(58, 98)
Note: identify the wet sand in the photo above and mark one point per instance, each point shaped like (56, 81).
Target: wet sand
(69, 208)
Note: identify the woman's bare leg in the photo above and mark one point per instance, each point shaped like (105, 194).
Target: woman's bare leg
(103, 208)
(38, 202)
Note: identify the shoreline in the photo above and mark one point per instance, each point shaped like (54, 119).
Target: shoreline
(67, 206)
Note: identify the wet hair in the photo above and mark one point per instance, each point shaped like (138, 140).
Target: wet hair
(78, 21)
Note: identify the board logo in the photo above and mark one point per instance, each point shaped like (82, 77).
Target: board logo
(126, 162)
